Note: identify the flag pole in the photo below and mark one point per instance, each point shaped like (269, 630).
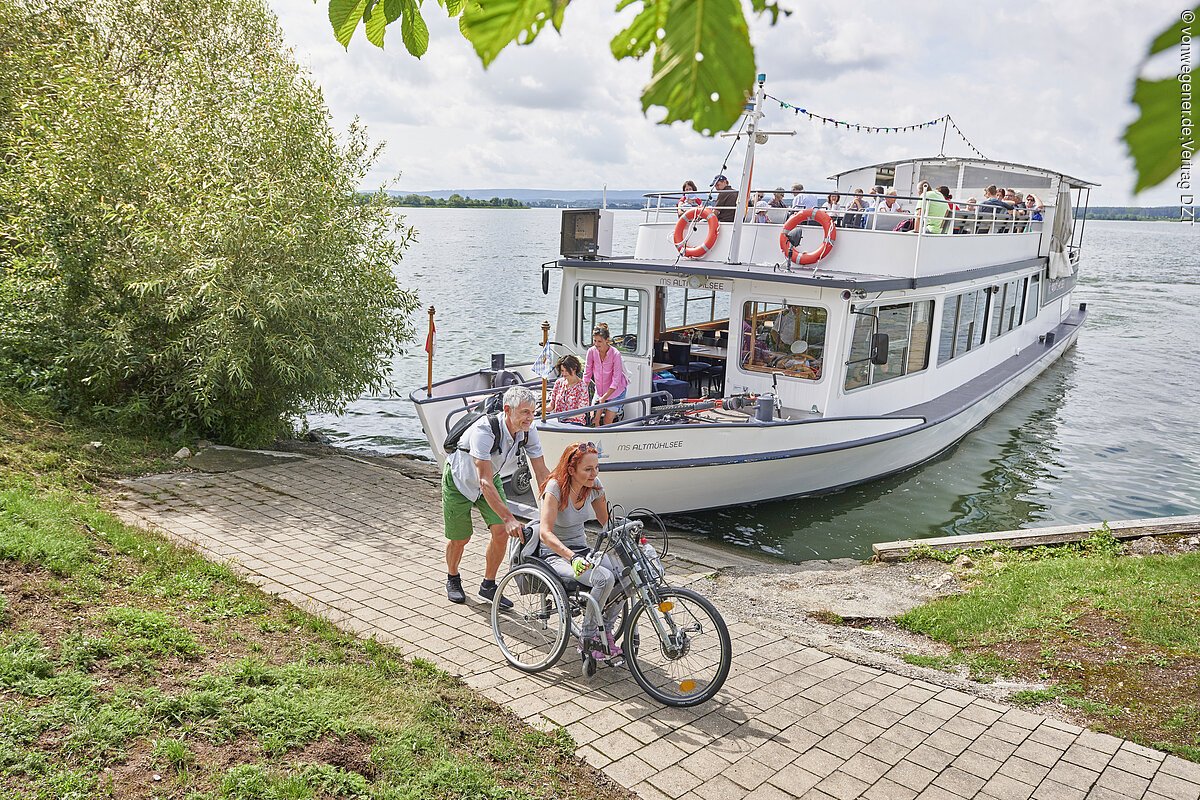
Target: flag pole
(429, 346)
(545, 338)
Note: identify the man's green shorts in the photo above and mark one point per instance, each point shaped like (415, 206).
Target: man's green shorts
(456, 508)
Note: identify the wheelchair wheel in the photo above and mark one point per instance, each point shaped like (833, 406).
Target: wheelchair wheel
(689, 666)
(533, 634)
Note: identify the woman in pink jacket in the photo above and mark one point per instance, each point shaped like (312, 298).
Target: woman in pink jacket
(604, 367)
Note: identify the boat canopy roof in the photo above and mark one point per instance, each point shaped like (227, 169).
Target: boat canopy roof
(1075, 183)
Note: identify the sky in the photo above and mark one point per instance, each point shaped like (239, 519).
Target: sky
(1038, 83)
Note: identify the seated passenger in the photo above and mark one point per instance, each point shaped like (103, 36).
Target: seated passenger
(727, 199)
(833, 206)
(777, 200)
(570, 390)
(689, 199)
(856, 211)
(761, 208)
(891, 204)
(571, 494)
(1035, 207)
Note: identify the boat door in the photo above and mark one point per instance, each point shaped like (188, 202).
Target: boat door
(626, 311)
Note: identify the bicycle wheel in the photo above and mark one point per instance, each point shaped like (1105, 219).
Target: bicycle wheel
(533, 634)
(690, 665)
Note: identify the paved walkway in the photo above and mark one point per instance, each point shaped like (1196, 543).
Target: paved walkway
(361, 544)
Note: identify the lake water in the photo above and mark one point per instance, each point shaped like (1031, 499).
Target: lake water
(1112, 431)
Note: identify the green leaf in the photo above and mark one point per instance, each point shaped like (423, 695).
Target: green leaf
(413, 29)
(344, 16)
(453, 7)
(1172, 36)
(684, 85)
(1152, 137)
(491, 25)
(769, 7)
(642, 34)
(378, 16)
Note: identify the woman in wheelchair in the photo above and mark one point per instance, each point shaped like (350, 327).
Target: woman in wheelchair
(572, 486)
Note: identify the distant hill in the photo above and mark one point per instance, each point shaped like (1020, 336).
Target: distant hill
(1132, 212)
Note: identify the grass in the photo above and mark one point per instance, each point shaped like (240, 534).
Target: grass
(123, 656)
(1098, 629)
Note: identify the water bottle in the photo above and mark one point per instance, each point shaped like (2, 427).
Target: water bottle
(652, 560)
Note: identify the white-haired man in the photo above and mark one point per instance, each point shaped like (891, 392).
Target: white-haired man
(471, 478)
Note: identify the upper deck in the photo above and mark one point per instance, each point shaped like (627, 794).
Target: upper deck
(868, 247)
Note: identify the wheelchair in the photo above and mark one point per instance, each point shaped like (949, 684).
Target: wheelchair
(687, 652)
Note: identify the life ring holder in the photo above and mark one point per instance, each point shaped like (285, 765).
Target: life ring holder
(804, 259)
(681, 229)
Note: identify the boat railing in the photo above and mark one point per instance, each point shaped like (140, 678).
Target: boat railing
(645, 399)
(963, 218)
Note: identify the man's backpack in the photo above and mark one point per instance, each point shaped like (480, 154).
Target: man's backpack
(491, 407)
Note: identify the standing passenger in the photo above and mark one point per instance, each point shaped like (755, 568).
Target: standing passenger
(604, 368)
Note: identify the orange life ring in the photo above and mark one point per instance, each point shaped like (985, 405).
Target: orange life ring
(680, 237)
(812, 256)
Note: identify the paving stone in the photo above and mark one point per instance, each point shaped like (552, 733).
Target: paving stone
(794, 780)
(887, 789)
(1039, 753)
(843, 786)
(1002, 787)
(1173, 787)
(1073, 775)
(959, 782)
(1188, 770)
(1051, 790)
(1135, 763)
(1087, 758)
(674, 781)
(1122, 782)
(865, 768)
(914, 776)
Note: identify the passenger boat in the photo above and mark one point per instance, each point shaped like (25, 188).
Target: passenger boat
(837, 351)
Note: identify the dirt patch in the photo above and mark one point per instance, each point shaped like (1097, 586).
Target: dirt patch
(1103, 675)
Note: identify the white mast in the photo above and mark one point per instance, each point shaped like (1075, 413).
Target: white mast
(754, 112)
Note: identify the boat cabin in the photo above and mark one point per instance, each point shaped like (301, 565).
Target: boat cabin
(898, 311)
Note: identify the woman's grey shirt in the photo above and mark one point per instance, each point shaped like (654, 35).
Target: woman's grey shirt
(568, 526)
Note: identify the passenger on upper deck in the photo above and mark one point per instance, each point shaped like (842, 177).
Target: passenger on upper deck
(727, 199)
(761, 208)
(833, 204)
(932, 211)
(856, 211)
(800, 199)
(891, 204)
(1036, 208)
(686, 200)
(777, 200)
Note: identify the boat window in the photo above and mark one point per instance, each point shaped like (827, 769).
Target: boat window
(686, 307)
(1035, 300)
(1006, 306)
(617, 306)
(963, 326)
(783, 338)
(908, 326)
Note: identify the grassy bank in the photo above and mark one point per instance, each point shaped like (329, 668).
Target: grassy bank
(1115, 638)
(131, 668)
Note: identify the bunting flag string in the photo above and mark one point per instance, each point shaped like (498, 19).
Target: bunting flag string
(862, 127)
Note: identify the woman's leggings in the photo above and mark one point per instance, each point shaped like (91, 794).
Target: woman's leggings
(602, 578)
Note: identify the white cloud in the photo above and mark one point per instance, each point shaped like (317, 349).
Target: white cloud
(1037, 83)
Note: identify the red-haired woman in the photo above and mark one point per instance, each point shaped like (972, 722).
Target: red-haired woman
(570, 496)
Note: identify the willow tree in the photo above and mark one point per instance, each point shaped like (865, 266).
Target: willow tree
(181, 239)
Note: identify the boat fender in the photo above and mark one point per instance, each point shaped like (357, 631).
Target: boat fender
(686, 221)
(788, 246)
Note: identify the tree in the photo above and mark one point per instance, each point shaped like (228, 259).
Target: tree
(703, 64)
(182, 243)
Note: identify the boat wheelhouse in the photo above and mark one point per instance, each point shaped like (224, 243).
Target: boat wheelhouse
(905, 334)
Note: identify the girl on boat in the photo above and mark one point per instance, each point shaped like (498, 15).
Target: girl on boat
(686, 200)
(570, 390)
(606, 370)
(570, 489)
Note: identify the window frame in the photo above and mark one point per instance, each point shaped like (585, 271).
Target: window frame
(871, 368)
(584, 332)
(783, 303)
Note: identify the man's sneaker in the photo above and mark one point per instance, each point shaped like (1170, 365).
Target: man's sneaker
(454, 590)
(489, 593)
